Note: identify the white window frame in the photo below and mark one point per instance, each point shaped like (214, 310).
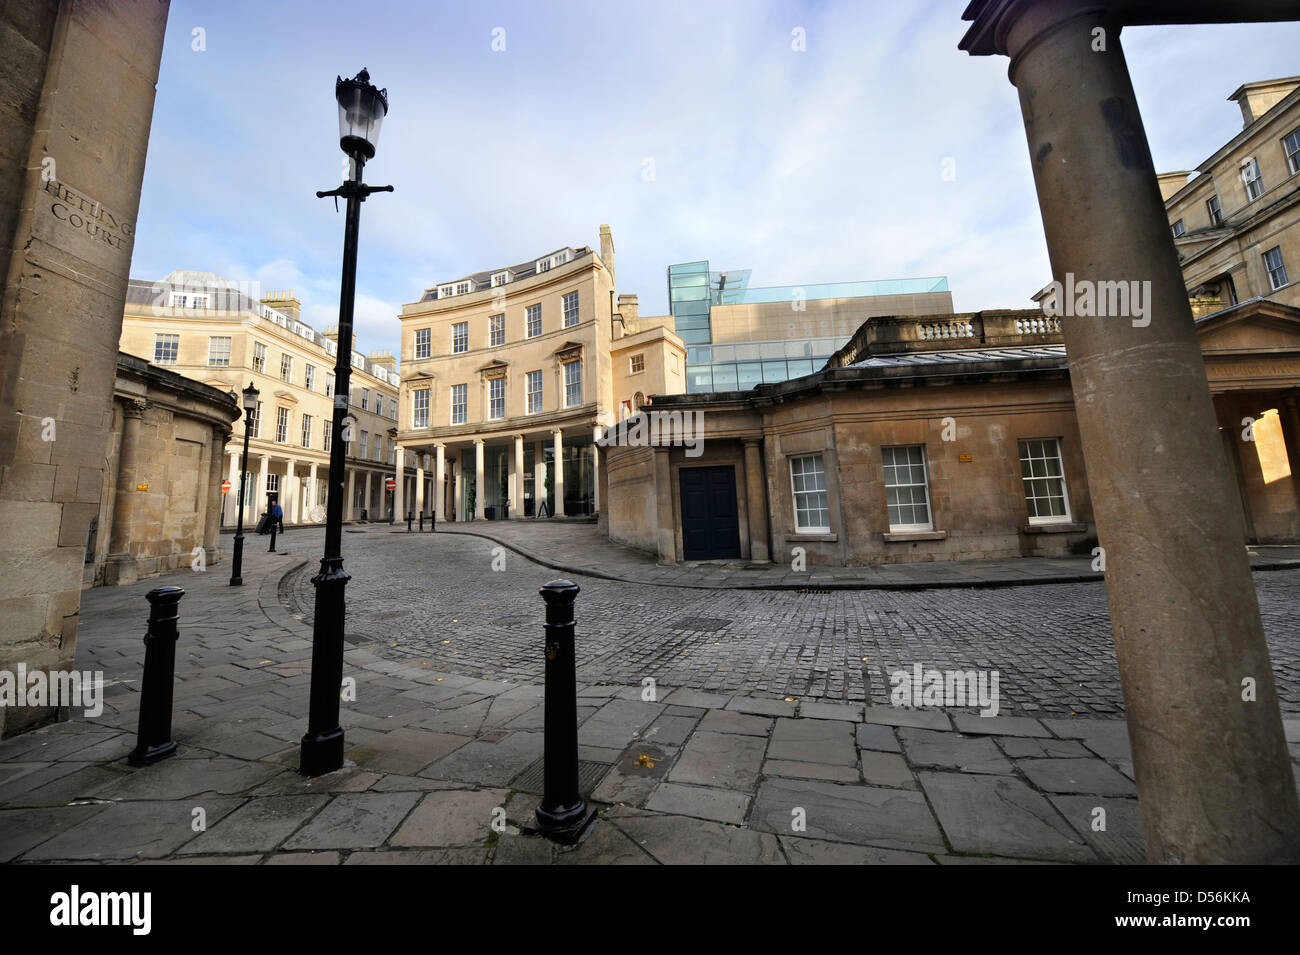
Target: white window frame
(496, 399)
(1179, 229)
(636, 363)
(365, 443)
(446, 291)
(259, 357)
(1021, 446)
(327, 433)
(1215, 209)
(532, 312)
(797, 494)
(496, 330)
(1291, 146)
(460, 338)
(570, 382)
(544, 265)
(283, 418)
(216, 358)
(256, 430)
(365, 399)
(1253, 179)
(286, 368)
(420, 408)
(309, 377)
(464, 288)
(1274, 285)
(329, 384)
(306, 431)
(460, 392)
(571, 311)
(893, 464)
(500, 278)
(172, 345)
(392, 408)
(423, 343)
(533, 386)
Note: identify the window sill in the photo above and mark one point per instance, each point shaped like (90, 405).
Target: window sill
(1063, 527)
(815, 536)
(901, 537)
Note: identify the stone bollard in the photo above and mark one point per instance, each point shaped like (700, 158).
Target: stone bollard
(562, 816)
(154, 738)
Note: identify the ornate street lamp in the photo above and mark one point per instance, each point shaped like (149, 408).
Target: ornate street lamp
(237, 565)
(362, 108)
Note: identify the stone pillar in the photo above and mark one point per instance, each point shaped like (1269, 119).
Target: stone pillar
(595, 467)
(754, 486)
(667, 530)
(517, 485)
(232, 498)
(313, 492)
(1288, 414)
(259, 496)
(479, 489)
(289, 489)
(348, 509)
(439, 480)
(458, 490)
(1213, 773)
(212, 519)
(539, 476)
(557, 479)
(121, 568)
(399, 485)
(419, 485)
(368, 505)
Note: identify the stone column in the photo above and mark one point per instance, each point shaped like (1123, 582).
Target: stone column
(399, 487)
(458, 490)
(1213, 773)
(212, 520)
(128, 475)
(313, 492)
(232, 499)
(439, 480)
(539, 476)
(368, 505)
(667, 529)
(754, 485)
(479, 488)
(557, 479)
(419, 486)
(595, 468)
(1288, 414)
(517, 485)
(289, 489)
(259, 496)
(348, 510)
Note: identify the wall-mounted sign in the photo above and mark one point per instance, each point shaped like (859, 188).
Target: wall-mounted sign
(964, 458)
(225, 487)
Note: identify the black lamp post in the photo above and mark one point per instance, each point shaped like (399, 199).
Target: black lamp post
(237, 565)
(362, 108)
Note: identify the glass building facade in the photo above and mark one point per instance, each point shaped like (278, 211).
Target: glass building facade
(693, 289)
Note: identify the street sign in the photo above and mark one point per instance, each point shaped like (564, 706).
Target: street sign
(225, 487)
(390, 484)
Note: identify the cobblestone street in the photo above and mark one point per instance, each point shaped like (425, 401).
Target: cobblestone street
(438, 598)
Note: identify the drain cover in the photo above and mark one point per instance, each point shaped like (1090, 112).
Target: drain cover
(699, 624)
(589, 774)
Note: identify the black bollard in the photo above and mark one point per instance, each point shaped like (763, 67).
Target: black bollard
(409, 518)
(271, 549)
(154, 738)
(422, 522)
(433, 521)
(562, 816)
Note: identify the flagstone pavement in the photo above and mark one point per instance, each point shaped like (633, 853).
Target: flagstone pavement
(445, 768)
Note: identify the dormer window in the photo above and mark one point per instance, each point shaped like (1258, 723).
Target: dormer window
(462, 288)
(446, 291)
(500, 278)
(543, 265)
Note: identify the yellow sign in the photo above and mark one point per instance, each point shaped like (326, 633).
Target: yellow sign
(964, 458)
(142, 487)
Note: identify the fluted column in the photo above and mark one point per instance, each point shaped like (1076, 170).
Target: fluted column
(557, 479)
(517, 491)
(439, 480)
(479, 489)
(399, 483)
(128, 475)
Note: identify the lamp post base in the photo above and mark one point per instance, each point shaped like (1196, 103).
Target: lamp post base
(147, 755)
(565, 824)
(321, 752)
(237, 562)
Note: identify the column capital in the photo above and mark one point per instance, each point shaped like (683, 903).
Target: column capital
(135, 407)
(751, 442)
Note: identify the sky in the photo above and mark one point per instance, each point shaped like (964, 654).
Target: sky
(695, 129)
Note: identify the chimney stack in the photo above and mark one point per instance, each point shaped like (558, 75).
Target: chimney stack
(285, 302)
(607, 252)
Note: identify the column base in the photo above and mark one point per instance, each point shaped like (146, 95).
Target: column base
(120, 569)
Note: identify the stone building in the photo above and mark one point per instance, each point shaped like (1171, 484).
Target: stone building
(220, 334)
(931, 438)
(77, 105)
(162, 489)
(509, 371)
(1236, 218)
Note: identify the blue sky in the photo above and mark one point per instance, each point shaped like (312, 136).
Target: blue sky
(816, 166)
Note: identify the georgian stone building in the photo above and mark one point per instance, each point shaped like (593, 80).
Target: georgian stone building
(933, 438)
(1236, 218)
(509, 375)
(213, 331)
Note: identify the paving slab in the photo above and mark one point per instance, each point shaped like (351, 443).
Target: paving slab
(976, 725)
(354, 821)
(819, 852)
(1112, 826)
(489, 764)
(606, 844)
(476, 856)
(813, 741)
(1001, 816)
(258, 826)
(969, 754)
(887, 769)
(405, 750)
(831, 711)
(762, 707)
(680, 840)
(798, 770)
(1092, 775)
(864, 815)
(452, 818)
(23, 829)
(878, 736)
(898, 716)
(131, 830)
(721, 805)
(1020, 747)
(727, 721)
(722, 760)
(669, 730)
(632, 779)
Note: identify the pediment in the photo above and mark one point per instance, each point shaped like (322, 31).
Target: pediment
(286, 397)
(1254, 326)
